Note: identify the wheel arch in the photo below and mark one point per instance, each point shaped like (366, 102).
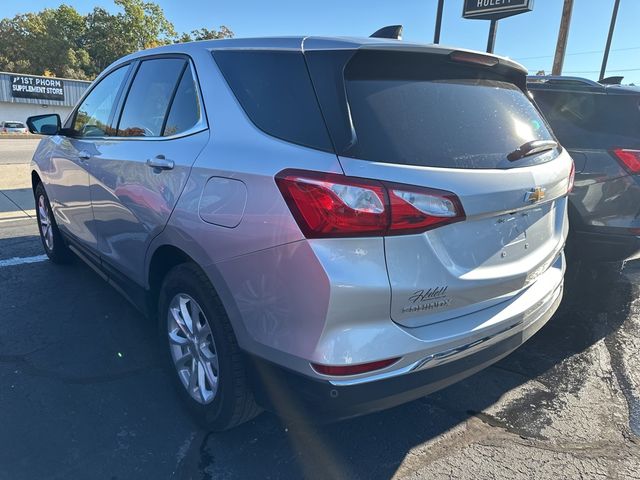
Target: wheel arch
(166, 255)
(163, 259)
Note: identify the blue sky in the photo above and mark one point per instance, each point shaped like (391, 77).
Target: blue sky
(529, 38)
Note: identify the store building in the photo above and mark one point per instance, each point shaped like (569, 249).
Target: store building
(22, 96)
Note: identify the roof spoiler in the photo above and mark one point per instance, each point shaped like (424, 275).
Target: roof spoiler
(611, 80)
(560, 79)
(392, 31)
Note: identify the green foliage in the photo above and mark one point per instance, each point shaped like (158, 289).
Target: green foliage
(205, 34)
(64, 43)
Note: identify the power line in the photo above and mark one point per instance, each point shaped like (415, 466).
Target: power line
(579, 53)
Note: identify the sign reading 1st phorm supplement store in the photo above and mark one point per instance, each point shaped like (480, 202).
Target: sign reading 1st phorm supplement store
(44, 88)
(495, 9)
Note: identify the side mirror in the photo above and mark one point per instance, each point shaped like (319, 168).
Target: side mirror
(45, 124)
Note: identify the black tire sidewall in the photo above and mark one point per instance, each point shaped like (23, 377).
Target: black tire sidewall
(188, 279)
(60, 252)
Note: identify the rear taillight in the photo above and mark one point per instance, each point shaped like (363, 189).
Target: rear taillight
(327, 205)
(572, 177)
(338, 370)
(332, 205)
(414, 209)
(630, 159)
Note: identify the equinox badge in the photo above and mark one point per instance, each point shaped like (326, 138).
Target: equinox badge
(534, 195)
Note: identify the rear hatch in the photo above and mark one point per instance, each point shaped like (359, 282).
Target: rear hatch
(449, 121)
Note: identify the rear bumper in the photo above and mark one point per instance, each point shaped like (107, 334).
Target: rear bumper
(299, 397)
(604, 247)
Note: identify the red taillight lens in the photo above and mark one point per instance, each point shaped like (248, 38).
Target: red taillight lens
(572, 177)
(332, 205)
(630, 159)
(338, 370)
(416, 210)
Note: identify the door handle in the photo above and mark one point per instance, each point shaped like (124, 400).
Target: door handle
(83, 155)
(159, 162)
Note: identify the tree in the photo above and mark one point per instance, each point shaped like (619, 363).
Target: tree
(205, 34)
(51, 39)
(62, 42)
(55, 42)
(12, 54)
(144, 24)
(104, 39)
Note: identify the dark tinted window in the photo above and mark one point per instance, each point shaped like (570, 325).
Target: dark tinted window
(92, 118)
(185, 109)
(147, 102)
(275, 91)
(420, 109)
(14, 125)
(592, 120)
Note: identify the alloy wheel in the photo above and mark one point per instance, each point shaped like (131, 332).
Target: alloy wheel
(46, 229)
(193, 348)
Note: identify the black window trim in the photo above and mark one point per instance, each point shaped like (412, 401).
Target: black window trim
(173, 97)
(114, 120)
(116, 113)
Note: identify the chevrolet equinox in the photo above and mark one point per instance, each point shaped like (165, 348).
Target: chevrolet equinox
(323, 227)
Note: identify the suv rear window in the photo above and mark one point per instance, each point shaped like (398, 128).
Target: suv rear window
(591, 120)
(387, 106)
(416, 108)
(13, 125)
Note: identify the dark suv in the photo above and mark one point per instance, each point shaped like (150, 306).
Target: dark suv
(600, 126)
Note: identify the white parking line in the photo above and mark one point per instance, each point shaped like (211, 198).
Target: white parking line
(10, 262)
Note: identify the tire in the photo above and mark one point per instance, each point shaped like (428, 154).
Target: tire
(52, 241)
(187, 289)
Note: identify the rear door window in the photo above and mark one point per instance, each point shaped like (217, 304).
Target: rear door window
(148, 100)
(590, 120)
(422, 109)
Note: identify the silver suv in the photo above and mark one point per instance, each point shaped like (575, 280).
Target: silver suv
(323, 227)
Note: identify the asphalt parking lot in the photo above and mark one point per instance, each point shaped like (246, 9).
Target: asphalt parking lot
(82, 394)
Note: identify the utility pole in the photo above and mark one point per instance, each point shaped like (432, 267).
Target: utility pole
(609, 37)
(491, 40)
(563, 35)
(436, 34)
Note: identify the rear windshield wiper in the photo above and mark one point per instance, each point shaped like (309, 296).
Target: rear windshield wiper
(529, 148)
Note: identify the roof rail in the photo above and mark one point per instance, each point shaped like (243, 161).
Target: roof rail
(562, 79)
(392, 31)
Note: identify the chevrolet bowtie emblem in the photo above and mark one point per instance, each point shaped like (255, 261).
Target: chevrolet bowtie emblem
(534, 195)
